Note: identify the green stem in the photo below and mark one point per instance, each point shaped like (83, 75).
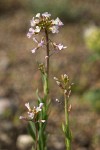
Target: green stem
(68, 136)
(36, 142)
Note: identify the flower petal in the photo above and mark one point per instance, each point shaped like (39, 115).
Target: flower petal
(46, 14)
(54, 29)
(38, 15)
(37, 30)
(28, 106)
(34, 50)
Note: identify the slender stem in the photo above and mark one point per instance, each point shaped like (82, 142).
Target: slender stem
(67, 138)
(66, 110)
(47, 62)
(36, 142)
(47, 51)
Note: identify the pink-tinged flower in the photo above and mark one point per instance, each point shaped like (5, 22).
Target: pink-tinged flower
(33, 23)
(46, 15)
(39, 44)
(35, 40)
(57, 22)
(30, 115)
(28, 106)
(59, 46)
(39, 108)
(32, 112)
(31, 30)
(30, 33)
(54, 29)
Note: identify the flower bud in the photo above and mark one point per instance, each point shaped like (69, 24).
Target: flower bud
(58, 82)
(55, 78)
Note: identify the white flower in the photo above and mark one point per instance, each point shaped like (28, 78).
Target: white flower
(41, 105)
(33, 23)
(57, 100)
(54, 29)
(38, 15)
(57, 22)
(31, 115)
(37, 21)
(43, 121)
(46, 57)
(30, 33)
(39, 108)
(58, 83)
(46, 14)
(32, 112)
(37, 30)
(28, 106)
(21, 117)
(65, 91)
(34, 50)
(55, 78)
(60, 46)
(65, 76)
(31, 30)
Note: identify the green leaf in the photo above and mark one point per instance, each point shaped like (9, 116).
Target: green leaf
(31, 129)
(37, 94)
(63, 127)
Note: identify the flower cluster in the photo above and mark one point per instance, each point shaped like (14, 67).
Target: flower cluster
(43, 21)
(32, 113)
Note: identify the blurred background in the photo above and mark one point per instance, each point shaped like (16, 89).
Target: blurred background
(19, 76)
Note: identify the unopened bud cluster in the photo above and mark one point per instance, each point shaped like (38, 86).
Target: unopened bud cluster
(42, 68)
(64, 84)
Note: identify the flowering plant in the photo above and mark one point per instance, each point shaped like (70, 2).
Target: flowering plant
(38, 116)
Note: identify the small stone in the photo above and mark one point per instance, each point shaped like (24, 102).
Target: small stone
(5, 138)
(24, 142)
